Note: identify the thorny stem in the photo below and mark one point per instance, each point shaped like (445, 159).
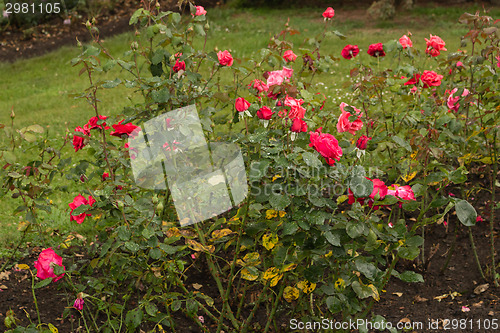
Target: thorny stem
(473, 245)
(275, 306)
(492, 208)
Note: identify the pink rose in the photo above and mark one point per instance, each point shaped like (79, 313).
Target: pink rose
(200, 11)
(362, 142)
(434, 46)
(121, 129)
(265, 113)
(431, 79)
(402, 192)
(241, 104)
(179, 65)
(298, 126)
(277, 77)
(344, 125)
(326, 145)
(289, 56)
(225, 58)
(77, 202)
(376, 50)
(47, 259)
(350, 51)
(479, 218)
(498, 61)
(78, 304)
(452, 100)
(296, 110)
(405, 42)
(259, 85)
(329, 13)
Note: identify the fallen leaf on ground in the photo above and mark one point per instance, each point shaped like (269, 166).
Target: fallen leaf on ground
(419, 299)
(2, 286)
(478, 305)
(197, 286)
(481, 288)
(4, 275)
(398, 294)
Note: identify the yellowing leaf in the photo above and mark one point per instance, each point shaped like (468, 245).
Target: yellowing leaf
(290, 294)
(341, 199)
(375, 293)
(247, 275)
(23, 225)
(23, 266)
(271, 213)
(289, 267)
(407, 177)
(53, 329)
(272, 274)
(282, 213)
(340, 284)
(198, 247)
(250, 259)
(306, 286)
(173, 232)
(276, 177)
(269, 241)
(218, 234)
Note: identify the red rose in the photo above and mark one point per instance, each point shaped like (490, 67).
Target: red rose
(414, 80)
(105, 176)
(265, 113)
(296, 110)
(376, 50)
(289, 56)
(350, 51)
(379, 189)
(362, 142)
(402, 192)
(326, 145)
(225, 58)
(77, 202)
(241, 104)
(45, 265)
(434, 46)
(298, 126)
(123, 129)
(431, 79)
(179, 65)
(344, 125)
(329, 13)
(405, 42)
(78, 141)
(92, 123)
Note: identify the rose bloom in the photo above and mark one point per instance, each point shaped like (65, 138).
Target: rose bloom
(326, 145)
(414, 80)
(265, 113)
(47, 259)
(405, 42)
(344, 125)
(434, 46)
(121, 129)
(77, 202)
(241, 104)
(225, 58)
(78, 141)
(452, 100)
(498, 63)
(289, 56)
(329, 13)
(79, 304)
(350, 51)
(92, 123)
(431, 79)
(376, 50)
(179, 65)
(277, 77)
(362, 142)
(259, 85)
(200, 11)
(105, 176)
(401, 192)
(298, 126)
(296, 110)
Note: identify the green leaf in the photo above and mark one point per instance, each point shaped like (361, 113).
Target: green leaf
(8, 156)
(409, 276)
(311, 159)
(198, 28)
(402, 143)
(360, 186)
(111, 84)
(334, 304)
(148, 232)
(466, 213)
(176, 305)
(368, 269)
(361, 290)
(279, 201)
(132, 246)
(333, 239)
(135, 16)
(258, 170)
(43, 283)
(191, 306)
(409, 253)
(161, 96)
(151, 309)
(355, 229)
(133, 318)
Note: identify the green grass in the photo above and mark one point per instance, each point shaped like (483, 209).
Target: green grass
(37, 89)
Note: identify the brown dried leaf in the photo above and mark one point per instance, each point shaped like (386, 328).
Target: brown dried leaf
(419, 299)
(481, 288)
